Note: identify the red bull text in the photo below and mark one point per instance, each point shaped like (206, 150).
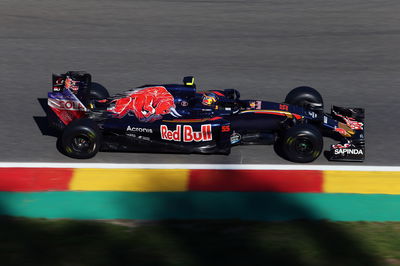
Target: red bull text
(187, 134)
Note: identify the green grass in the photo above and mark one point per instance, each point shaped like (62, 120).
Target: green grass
(67, 242)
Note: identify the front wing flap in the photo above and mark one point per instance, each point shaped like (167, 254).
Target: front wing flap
(351, 153)
(351, 127)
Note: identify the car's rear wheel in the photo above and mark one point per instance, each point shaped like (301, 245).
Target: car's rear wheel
(98, 92)
(306, 97)
(301, 143)
(81, 139)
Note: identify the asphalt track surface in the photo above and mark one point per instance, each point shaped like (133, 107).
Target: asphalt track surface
(348, 50)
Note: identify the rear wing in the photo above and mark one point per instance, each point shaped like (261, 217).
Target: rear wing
(69, 96)
(76, 81)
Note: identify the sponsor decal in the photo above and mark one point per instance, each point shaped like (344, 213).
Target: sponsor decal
(186, 133)
(71, 84)
(255, 105)
(226, 128)
(147, 104)
(58, 84)
(70, 105)
(67, 112)
(354, 124)
(312, 114)
(59, 81)
(284, 107)
(139, 129)
(341, 146)
(235, 138)
(138, 137)
(349, 152)
(66, 105)
(351, 122)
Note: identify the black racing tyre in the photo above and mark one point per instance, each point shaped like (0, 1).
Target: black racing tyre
(301, 143)
(77, 73)
(81, 139)
(98, 92)
(306, 97)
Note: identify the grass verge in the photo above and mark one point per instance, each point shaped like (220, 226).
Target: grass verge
(67, 242)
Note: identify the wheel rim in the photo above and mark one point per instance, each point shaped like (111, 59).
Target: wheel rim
(303, 146)
(82, 144)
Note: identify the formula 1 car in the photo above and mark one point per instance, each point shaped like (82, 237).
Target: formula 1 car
(176, 118)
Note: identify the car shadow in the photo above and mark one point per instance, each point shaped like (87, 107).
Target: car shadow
(43, 121)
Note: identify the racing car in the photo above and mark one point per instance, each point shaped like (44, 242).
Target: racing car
(179, 118)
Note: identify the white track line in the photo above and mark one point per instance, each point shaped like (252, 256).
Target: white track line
(201, 166)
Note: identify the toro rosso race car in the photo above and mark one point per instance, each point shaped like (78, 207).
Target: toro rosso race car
(176, 118)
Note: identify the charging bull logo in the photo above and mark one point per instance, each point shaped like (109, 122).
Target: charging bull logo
(71, 84)
(147, 104)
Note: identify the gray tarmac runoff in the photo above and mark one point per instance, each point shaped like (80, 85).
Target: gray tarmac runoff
(346, 50)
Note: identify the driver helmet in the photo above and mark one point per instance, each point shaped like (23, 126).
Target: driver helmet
(209, 98)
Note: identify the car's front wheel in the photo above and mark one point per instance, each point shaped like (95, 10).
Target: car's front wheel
(81, 139)
(301, 143)
(306, 97)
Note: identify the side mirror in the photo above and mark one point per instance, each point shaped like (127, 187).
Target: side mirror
(189, 81)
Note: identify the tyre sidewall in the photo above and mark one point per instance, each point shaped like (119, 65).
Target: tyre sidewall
(300, 96)
(302, 134)
(98, 92)
(81, 128)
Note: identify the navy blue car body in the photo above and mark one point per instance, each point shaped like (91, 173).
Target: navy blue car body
(177, 118)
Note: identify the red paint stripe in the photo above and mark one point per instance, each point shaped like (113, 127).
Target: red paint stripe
(35, 179)
(218, 93)
(256, 180)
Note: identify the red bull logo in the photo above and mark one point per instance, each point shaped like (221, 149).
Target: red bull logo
(187, 134)
(147, 104)
(71, 84)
